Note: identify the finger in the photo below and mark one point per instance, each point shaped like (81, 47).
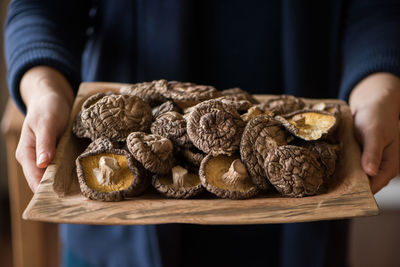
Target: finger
(372, 151)
(26, 156)
(388, 169)
(45, 142)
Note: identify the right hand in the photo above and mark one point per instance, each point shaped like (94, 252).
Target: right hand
(48, 98)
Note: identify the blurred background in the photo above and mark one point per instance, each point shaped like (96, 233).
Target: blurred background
(373, 241)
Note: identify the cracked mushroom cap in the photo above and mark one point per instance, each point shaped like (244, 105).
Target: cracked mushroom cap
(294, 171)
(215, 127)
(171, 125)
(226, 177)
(164, 108)
(115, 116)
(78, 129)
(180, 183)
(193, 155)
(148, 91)
(261, 135)
(100, 144)
(241, 105)
(282, 104)
(186, 94)
(240, 94)
(109, 175)
(310, 125)
(153, 151)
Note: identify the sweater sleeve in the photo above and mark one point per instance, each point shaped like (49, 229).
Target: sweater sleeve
(46, 32)
(371, 41)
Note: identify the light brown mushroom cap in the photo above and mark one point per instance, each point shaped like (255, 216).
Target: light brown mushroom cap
(153, 151)
(172, 125)
(241, 105)
(192, 156)
(100, 144)
(178, 184)
(226, 177)
(310, 125)
(109, 175)
(115, 116)
(186, 94)
(215, 128)
(262, 134)
(164, 108)
(282, 104)
(150, 92)
(294, 171)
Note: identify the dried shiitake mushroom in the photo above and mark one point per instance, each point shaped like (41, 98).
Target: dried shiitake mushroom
(180, 183)
(78, 129)
(148, 91)
(164, 108)
(282, 104)
(294, 171)
(215, 127)
(172, 125)
(253, 112)
(193, 155)
(310, 125)
(240, 94)
(100, 144)
(226, 177)
(109, 175)
(239, 104)
(329, 107)
(262, 134)
(186, 94)
(115, 116)
(153, 151)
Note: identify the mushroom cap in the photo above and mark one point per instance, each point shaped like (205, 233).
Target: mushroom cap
(100, 143)
(115, 116)
(294, 171)
(78, 128)
(215, 127)
(328, 107)
(131, 181)
(261, 135)
(193, 157)
(165, 185)
(186, 94)
(241, 105)
(148, 91)
(211, 172)
(164, 108)
(172, 125)
(282, 104)
(153, 151)
(240, 94)
(310, 125)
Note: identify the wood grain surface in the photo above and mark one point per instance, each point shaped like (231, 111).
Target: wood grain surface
(58, 198)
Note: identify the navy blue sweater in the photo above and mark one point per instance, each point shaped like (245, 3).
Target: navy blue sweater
(321, 49)
(326, 47)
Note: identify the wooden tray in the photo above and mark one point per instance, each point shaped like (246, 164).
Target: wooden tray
(58, 198)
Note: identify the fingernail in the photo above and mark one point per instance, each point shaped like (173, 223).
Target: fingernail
(372, 169)
(42, 159)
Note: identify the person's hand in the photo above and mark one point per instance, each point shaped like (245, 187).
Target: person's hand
(375, 104)
(48, 98)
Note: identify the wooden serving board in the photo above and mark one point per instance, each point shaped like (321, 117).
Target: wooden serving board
(58, 198)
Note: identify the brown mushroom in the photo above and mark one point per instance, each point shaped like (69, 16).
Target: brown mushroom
(186, 94)
(215, 128)
(262, 134)
(241, 105)
(329, 107)
(282, 104)
(226, 177)
(109, 175)
(172, 125)
(78, 129)
(193, 155)
(310, 125)
(115, 116)
(164, 108)
(150, 92)
(153, 151)
(100, 144)
(240, 94)
(178, 184)
(294, 171)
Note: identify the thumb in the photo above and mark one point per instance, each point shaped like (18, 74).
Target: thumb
(372, 152)
(46, 136)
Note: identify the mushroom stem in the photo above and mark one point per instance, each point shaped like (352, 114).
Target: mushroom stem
(236, 174)
(106, 174)
(178, 176)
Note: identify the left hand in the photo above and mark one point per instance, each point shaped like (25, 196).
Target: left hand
(375, 105)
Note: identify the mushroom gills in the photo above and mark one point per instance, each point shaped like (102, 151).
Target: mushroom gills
(107, 172)
(312, 125)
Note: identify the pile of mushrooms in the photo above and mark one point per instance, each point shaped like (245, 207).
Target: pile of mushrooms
(184, 138)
